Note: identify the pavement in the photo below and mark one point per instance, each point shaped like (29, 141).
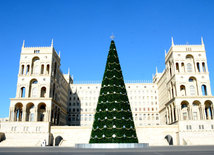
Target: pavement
(169, 150)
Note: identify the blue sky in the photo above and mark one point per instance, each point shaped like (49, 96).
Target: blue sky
(81, 31)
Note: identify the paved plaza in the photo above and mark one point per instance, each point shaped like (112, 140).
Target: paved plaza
(171, 150)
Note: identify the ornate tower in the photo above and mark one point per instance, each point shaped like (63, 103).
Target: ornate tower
(40, 86)
(184, 86)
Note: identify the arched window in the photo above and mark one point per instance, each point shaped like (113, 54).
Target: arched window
(204, 90)
(196, 110)
(41, 112)
(18, 112)
(198, 66)
(30, 112)
(193, 86)
(184, 110)
(43, 92)
(35, 65)
(182, 67)
(42, 69)
(177, 67)
(22, 69)
(33, 91)
(204, 67)
(48, 68)
(28, 69)
(208, 109)
(23, 92)
(189, 67)
(183, 90)
(190, 63)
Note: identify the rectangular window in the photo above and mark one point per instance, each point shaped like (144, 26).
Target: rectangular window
(36, 51)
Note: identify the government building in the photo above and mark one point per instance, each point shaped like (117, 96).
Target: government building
(176, 108)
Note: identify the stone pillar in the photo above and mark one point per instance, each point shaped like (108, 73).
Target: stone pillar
(170, 118)
(30, 70)
(24, 114)
(172, 111)
(175, 90)
(36, 115)
(14, 116)
(190, 112)
(203, 112)
(178, 107)
(11, 114)
(48, 115)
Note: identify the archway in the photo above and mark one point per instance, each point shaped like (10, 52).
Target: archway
(58, 139)
(169, 139)
(41, 112)
(30, 112)
(18, 111)
(185, 110)
(196, 110)
(208, 109)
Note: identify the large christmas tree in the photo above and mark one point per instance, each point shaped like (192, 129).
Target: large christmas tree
(113, 122)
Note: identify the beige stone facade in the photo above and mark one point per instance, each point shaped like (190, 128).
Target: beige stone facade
(175, 109)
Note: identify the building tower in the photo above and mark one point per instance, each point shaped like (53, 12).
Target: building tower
(187, 85)
(42, 90)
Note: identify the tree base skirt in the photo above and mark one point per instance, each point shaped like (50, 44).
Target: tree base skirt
(112, 145)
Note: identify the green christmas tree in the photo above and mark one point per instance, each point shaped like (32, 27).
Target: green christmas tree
(113, 122)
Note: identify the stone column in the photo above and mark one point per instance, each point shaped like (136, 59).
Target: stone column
(36, 115)
(48, 116)
(24, 114)
(203, 112)
(167, 116)
(190, 112)
(175, 90)
(11, 115)
(170, 118)
(172, 110)
(14, 116)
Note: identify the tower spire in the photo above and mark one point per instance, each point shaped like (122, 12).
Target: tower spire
(202, 41)
(23, 45)
(172, 41)
(52, 42)
(59, 54)
(68, 71)
(156, 69)
(165, 52)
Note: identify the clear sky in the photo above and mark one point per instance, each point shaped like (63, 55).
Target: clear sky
(81, 31)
